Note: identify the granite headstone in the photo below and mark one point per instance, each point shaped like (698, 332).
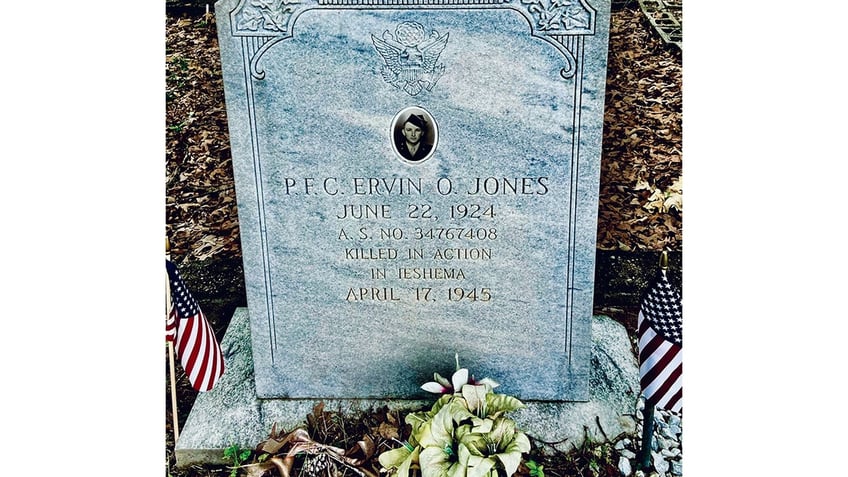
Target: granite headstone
(416, 179)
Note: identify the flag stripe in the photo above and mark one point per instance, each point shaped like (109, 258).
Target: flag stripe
(171, 326)
(211, 367)
(658, 363)
(189, 340)
(658, 387)
(208, 368)
(203, 364)
(170, 311)
(650, 344)
(675, 401)
(195, 343)
(658, 366)
(193, 359)
(663, 395)
(674, 387)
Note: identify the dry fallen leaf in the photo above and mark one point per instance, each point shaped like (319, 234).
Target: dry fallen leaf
(386, 430)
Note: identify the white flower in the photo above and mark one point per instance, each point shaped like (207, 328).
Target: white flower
(460, 378)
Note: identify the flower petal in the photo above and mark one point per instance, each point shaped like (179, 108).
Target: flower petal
(488, 382)
(441, 380)
(443, 401)
(433, 387)
(459, 409)
(475, 396)
(459, 379)
(434, 462)
(482, 468)
(457, 469)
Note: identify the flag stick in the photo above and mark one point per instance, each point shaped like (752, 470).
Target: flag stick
(171, 350)
(647, 435)
(173, 394)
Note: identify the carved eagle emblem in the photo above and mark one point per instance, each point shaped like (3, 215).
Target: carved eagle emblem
(410, 57)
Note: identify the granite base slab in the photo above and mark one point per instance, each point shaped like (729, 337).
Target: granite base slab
(232, 414)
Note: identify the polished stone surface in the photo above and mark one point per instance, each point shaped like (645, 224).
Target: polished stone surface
(365, 270)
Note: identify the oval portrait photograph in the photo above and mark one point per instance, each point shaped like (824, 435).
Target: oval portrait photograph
(415, 135)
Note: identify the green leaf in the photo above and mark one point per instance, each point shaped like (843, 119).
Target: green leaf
(536, 470)
(482, 426)
(458, 408)
(236, 454)
(441, 430)
(503, 432)
(499, 403)
(510, 461)
(403, 470)
(443, 401)
(476, 444)
(421, 433)
(392, 459)
(229, 452)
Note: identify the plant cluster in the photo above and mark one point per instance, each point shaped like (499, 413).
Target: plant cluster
(464, 434)
(237, 456)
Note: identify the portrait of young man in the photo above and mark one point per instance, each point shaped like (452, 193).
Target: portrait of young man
(412, 137)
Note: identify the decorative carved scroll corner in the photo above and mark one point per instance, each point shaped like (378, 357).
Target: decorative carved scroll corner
(255, 52)
(559, 22)
(561, 17)
(263, 17)
(565, 47)
(263, 23)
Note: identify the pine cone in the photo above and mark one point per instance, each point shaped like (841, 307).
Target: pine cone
(316, 466)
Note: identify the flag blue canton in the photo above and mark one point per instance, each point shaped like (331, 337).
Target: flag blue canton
(662, 306)
(186, 304)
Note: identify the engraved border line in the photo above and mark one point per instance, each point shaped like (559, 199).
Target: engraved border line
(575, 177)
(247, 45)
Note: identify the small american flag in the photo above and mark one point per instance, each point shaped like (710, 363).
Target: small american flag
(661, 345)
(194, 340)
